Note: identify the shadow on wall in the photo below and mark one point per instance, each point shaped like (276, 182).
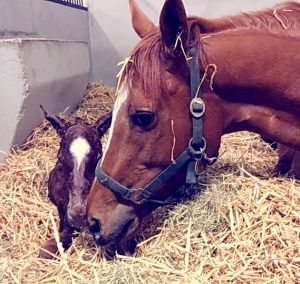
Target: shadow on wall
(105, 55)
(63, 93)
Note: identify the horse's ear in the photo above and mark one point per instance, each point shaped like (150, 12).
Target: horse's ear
(173, 23)
(140, 22)
(104, 123)
(56, 122)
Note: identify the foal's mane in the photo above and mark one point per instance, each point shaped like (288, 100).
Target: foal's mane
(147, 59)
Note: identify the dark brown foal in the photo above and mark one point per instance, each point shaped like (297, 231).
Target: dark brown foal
(70, 180)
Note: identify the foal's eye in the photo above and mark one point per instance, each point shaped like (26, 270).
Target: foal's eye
(143, 118)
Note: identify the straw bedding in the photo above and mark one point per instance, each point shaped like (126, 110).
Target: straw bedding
(244, 227)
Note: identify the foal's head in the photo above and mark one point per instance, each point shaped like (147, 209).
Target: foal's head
(79, 150)
(150, 126)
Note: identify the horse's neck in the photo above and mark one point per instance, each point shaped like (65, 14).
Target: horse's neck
(223, 117)
(251, 92)
(248, 70)
(282, 126)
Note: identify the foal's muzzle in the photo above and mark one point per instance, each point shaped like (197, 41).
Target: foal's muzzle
(76, 218)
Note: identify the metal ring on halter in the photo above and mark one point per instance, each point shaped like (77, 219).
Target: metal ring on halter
(197, 107)
(197, 154)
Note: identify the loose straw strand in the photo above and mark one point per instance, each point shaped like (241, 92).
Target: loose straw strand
(174, 142)
(276, 15)
(204, 77)
(179, 40)
(123, 65)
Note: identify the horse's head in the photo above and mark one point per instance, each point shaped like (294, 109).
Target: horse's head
(79, 149)
(151, 125)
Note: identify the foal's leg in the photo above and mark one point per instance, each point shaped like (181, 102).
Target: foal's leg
(49, 249)
(65, 237)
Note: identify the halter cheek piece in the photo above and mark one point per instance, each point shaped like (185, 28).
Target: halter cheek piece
(195, 152)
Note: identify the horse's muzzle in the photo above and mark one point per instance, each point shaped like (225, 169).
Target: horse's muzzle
(121, 231)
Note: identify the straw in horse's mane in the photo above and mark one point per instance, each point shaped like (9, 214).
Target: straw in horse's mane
(146, 65)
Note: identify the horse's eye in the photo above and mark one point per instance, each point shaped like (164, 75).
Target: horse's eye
(143, 118)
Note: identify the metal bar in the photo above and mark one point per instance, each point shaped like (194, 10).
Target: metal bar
(78, 4)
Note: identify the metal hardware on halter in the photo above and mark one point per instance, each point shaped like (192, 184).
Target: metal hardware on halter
(197, 154)
(197, 107)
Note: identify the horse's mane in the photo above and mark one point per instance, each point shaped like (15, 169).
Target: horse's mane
(147, 64)
(277, 19)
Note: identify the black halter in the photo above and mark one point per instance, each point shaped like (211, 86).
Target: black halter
(190, 156)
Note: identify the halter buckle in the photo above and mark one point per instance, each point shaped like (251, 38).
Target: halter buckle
(197, 107)
(139, 196)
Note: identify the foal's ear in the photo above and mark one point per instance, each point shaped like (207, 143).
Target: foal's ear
(173, 23)
(56, 122)
(140, 22)
(104, 123)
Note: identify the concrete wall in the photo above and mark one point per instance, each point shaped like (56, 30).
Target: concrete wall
(42, 19)
(112, 36)
(32, 72)
(53, 72)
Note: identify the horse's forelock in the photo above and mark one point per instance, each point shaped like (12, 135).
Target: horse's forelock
(146, 68)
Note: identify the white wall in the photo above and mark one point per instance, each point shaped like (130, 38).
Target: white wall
(42, 19)
(13, 88)
(112, 36)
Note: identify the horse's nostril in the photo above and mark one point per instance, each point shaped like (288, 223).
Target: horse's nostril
(95, 226)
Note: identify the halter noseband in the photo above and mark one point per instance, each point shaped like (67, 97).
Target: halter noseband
(190, 156)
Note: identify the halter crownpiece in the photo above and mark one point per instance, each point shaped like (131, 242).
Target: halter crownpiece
(194, 153)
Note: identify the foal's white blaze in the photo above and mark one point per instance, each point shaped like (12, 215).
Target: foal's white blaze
(79, 149)
(121, 98)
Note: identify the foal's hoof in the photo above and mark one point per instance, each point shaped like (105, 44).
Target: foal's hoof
(49, 250)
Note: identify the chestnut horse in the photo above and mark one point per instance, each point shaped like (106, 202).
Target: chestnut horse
(249, 82)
